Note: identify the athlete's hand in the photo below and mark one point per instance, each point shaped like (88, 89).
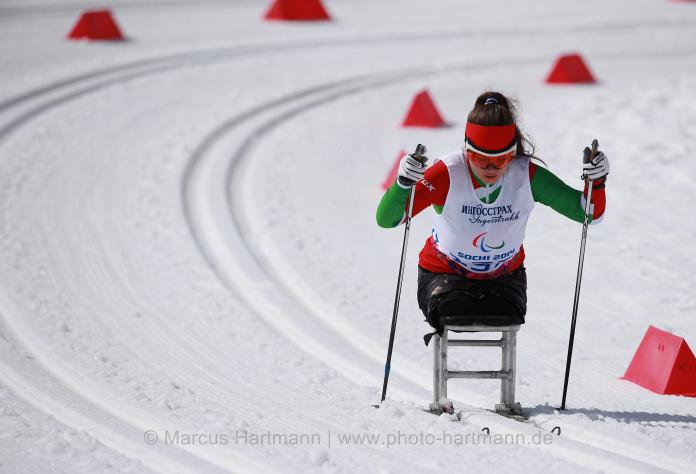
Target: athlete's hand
(411, 170)
(597, 168)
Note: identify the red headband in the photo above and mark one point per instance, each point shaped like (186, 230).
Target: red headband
(491, 140)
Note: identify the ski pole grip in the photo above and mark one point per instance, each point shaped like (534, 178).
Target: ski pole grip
(588, 153)
(419, 154)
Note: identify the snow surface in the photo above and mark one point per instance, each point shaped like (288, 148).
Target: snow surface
(189, 248)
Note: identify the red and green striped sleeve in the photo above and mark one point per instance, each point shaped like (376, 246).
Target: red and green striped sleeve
(550, 190)
(430, 191)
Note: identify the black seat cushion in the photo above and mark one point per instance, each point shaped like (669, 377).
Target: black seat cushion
(500, 301)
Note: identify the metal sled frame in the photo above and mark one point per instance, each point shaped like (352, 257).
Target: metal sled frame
(508, 344)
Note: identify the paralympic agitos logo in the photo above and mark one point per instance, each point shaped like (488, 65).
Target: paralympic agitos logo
(480, 242)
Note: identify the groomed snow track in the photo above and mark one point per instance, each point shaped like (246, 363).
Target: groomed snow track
(217, 200)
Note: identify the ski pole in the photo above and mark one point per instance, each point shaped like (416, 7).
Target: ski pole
(418, 155)
(588, 155)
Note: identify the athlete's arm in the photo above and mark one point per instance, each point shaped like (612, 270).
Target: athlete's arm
(551, 191)
(431, 190)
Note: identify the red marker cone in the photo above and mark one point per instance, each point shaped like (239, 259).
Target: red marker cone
(570, 69)
(96, 25)
(423, 112)
(297, 10)
(391, 177)
(664, 364)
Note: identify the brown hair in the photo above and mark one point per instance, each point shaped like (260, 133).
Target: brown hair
(501, 110)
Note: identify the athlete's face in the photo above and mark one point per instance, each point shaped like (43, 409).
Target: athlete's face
(489, 169)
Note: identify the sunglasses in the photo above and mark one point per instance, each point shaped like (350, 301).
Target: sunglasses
(483, 161)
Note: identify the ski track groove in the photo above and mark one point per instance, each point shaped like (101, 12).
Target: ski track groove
(125, 73)
(13, 125)
(109, 77)
(147, 69)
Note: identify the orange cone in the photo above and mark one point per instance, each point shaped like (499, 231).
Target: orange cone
(297, 10)
(423, 112)
(664, 364)
(570, 69)
(96, 25)
(391, 177)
